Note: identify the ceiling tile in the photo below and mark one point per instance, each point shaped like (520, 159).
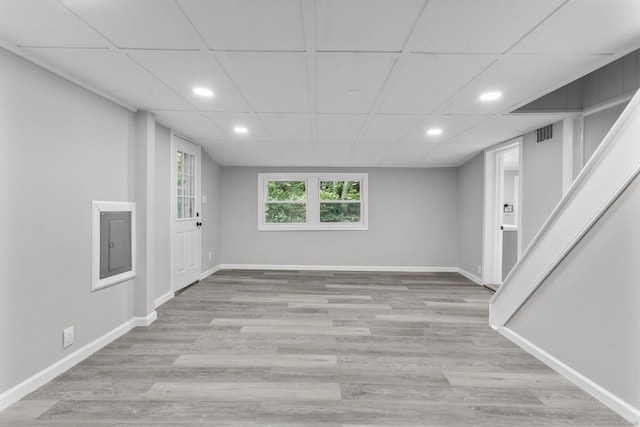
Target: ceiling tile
(43, 23)
(261, 153)
(192, 125)
(498, 129)
(541, 74)
(226, 153)
(451, 155)
(339, 128)
(228, 121)
(271, 82)
(182, 71)
(333, 154)
(296, 154)
(388, 127)
(150, 24)
(368, 154)
(451, 126)
(405, 154)
(425, 81)
(365, 25)
(288, 127)
(115, 74)
(350, 83)
(248, 24)
(490, 26)
(587, 27)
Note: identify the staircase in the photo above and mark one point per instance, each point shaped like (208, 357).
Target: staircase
(573, 298)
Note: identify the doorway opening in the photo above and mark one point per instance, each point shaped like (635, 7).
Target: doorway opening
(502, 212)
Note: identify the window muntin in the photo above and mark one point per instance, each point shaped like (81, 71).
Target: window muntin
(186, 185)
(312, 201)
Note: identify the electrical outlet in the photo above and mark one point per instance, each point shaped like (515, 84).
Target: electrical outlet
(479, 269)
(67, 337)
(210, 256)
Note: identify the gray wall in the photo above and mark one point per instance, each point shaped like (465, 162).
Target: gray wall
(211, 181)
(470, 214)
(412, 222)
(596, 127)
(541, 181)
(163, 212)
(62, 147)
(586, 313)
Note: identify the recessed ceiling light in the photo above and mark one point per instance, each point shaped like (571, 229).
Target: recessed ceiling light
(434, 131)
(203, 91)
(240, 129)
(490, 96)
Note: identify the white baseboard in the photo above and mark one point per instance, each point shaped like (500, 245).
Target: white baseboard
(609, 399)
(164, 298)
(145, 321)
(209, 272)
(401, 269)
(472, 277)
(36, 381)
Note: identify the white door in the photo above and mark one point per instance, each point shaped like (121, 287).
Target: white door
(186, 219)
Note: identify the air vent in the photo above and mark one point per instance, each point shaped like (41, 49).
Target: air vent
(544, 133)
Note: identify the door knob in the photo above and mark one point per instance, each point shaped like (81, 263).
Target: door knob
(198, 224)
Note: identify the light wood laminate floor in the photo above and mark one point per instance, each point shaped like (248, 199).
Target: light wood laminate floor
(253, 348)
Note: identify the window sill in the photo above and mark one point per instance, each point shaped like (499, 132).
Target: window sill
(305, 227)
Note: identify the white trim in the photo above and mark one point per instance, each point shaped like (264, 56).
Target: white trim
(164, 298)
(613, 166)
(209, 272)
(97, 207)
(477, 280)
(145, 321)
(492, 212)
(313, 202)
(609, 399)
(400, 269)
(36, 381)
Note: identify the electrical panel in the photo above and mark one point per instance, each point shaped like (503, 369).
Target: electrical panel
(115, 243)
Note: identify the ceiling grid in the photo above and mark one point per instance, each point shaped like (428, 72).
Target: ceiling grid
(327, 82)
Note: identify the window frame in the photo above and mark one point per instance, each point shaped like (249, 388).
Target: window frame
(313, 201)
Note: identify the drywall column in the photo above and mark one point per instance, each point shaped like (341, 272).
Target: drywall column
(145, 198)
(567, 153)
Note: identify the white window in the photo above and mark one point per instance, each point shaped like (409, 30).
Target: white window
(186, 185)
(312, 201)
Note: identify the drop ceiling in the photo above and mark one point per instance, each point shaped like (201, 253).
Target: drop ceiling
(327, 82)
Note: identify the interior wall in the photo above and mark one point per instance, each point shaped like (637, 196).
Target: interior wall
(162, 283)
(541, 181)
(62, 147)
(586, 312)
(470, 193)
(211, 181)
(596, 127)
(412, 222)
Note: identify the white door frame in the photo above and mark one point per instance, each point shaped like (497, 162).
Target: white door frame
(175, 286)
(493, 201)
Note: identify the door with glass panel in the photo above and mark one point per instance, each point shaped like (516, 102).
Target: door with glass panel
(186, 217)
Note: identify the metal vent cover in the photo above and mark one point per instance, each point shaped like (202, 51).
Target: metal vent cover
(544, 133)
